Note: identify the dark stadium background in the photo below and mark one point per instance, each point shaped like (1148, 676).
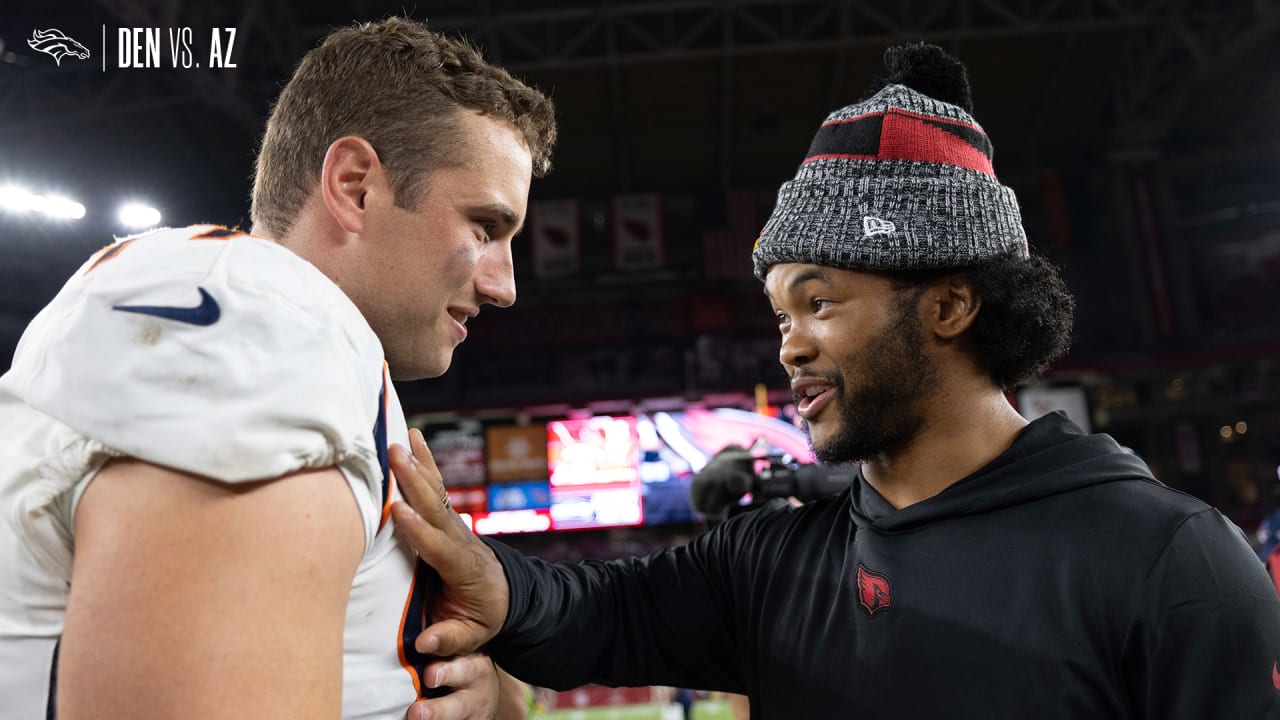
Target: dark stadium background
(1142, 137)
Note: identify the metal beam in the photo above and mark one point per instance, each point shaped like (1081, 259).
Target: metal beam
(1172, 63)
(667, 29)
(1177, 45)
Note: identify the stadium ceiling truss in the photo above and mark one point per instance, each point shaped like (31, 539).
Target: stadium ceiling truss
(1175, 46)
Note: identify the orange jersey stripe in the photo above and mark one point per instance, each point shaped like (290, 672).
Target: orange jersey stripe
(400, 637)
(107, 253)
(218, 233)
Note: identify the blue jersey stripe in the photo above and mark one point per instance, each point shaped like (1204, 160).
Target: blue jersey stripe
(380, 442)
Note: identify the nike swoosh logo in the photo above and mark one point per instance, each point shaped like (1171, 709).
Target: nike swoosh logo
(206, 313)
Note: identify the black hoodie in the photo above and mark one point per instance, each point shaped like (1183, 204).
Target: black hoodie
(1059, 581)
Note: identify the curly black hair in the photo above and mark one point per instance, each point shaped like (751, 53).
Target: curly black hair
(1025, 320)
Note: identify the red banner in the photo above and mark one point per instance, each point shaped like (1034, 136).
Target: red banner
(637, 232)
(556, 237)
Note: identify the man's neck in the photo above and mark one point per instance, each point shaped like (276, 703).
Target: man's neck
(953, 442)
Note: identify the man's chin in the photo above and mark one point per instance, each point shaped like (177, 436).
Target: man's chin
(827, 456)
(422, 369)
(831, 446)
(820, 440)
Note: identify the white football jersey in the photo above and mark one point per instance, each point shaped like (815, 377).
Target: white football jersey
(223, 355)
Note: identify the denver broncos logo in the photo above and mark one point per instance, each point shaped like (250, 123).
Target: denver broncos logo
(56, 44)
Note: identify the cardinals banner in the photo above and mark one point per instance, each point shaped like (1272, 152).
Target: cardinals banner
(557, 238)
(637, 232)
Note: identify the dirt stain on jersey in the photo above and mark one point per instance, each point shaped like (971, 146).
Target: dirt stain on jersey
(149, 333)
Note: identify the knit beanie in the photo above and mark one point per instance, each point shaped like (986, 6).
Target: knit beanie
(902, 180)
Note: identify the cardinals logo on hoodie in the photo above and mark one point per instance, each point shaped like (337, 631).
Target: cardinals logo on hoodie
(873, 591)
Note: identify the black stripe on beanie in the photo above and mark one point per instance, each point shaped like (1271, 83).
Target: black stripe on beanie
(863, 138)
(858, 136)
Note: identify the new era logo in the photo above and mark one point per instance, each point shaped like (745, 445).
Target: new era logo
(872, 226)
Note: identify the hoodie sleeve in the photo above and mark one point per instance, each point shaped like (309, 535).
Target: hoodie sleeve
(664, 619)
(1206, 640)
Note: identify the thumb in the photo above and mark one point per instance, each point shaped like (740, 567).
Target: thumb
(451, 637)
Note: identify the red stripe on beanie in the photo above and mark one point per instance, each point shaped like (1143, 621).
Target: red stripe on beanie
(904, 137)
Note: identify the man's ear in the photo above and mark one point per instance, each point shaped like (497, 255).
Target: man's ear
(351, 168)
(952, 306)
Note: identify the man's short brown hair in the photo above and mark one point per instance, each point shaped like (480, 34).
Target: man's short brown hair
(400, 87)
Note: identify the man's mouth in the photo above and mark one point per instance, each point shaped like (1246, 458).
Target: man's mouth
(812, 396)
(460, 317)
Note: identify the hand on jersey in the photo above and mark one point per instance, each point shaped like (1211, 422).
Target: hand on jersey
(478, 691)
(473, 598)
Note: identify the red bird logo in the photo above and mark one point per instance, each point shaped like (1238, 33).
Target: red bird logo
(556, 237)
(639, 230)
(873, 591)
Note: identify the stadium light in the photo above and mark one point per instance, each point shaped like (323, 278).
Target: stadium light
(137, 216)
(63, 208)
(17, 199)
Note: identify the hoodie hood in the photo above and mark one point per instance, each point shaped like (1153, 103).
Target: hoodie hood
(1051, 456)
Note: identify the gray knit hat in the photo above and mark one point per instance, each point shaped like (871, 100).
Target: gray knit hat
(901, 180)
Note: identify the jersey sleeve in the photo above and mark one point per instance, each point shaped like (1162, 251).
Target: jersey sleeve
(1206, 641)
(229, 359)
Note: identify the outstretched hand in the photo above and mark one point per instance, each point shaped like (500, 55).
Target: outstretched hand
(471, 604)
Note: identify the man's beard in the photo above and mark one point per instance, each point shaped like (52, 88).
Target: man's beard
(880, 415)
